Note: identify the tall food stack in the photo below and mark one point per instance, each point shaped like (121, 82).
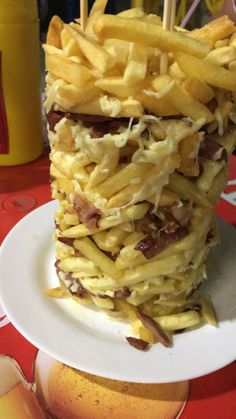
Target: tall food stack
(139, 158)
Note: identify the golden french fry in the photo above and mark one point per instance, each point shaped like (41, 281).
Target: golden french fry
(109, 26)
(118, 49)
(111, 106)
(122, 178)
(91, 251)
(135, 12)
(160, 107)
(77, 264)
(134, 212)
(67, 70)
(179, 321)
(198, 89)
(188, 150)
(69, 45)
(149, 270)
(215, 30)
(68, 95)
(118, 86)
(92, 50)
(207, 310)
(222, 56)
(210, 73)
(136, 65)
(186, 189)
(97, 10)
(54, 31)
(181, 100)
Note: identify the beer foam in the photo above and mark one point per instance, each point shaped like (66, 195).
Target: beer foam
(10, 374)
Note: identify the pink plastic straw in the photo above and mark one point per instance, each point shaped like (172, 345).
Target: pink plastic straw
(189, 13)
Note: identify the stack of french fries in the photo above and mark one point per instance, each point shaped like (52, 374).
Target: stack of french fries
(138, 161)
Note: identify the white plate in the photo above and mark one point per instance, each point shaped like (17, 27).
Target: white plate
(86, 339)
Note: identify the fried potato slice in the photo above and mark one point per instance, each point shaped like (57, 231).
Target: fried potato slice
(222, 56)
(137, 64)
(210, 73)
(188, 150)
(97, 10)
(54, 32)
(160, 107)
(92, 50)
(134, 30)
(181, 100)
(214, 31)
(118, 86)
(111, 106)
(198, 89)
(65, 69)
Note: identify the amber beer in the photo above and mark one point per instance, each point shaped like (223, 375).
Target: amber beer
(21, 139)
(68, 393)
(17, 400)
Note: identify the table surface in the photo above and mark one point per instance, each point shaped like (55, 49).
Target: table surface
(211, 396)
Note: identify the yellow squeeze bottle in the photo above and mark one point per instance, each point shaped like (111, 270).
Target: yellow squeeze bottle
(21, 138)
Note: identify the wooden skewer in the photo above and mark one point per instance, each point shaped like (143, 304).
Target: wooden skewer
(168, 25)
(83, 13)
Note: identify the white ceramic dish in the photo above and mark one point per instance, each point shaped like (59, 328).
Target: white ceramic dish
(86, 339)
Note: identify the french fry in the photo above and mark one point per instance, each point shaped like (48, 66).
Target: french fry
(188, 150)
(91, 251)
(136, 65)
(54, 32)
(122, 178)
(160, 107)
(118, 86)
(109, 26)
(215, 30)
(105, 168)
(97, 10)
(181, 100)
(69, 45)
(222, 56)
(118, 49)
(135, 12)
(149, 270)
(134, 212)
(179, 321)
(92, 50)
(67, 70)
(198, 89)
(77, 264)
(207, 310)
(111, 106)
(69, 95)
(186, 189)
(210, 73)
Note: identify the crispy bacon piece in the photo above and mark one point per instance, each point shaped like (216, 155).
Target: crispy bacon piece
(151, 245)
(89, 214)
(122, 293)
(182, 214)
(211, 150)
(53, 118)
(155, 328)
(66, 240)
(137, 343)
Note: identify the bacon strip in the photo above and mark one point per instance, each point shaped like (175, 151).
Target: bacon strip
(122, 293)
(211, 150)
(88, 213)
(150, 246)
(154, 327)
(137, 343)
(66, 240)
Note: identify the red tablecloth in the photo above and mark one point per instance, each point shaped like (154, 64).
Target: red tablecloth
(212, 396)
